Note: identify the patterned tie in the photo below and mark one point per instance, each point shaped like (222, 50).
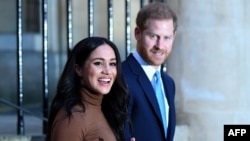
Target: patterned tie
(160, 97)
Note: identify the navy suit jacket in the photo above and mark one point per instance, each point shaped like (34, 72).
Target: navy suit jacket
(143, 109)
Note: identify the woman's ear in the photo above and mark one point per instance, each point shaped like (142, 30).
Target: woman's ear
(78, 70)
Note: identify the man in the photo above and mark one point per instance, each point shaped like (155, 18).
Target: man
(155, 31)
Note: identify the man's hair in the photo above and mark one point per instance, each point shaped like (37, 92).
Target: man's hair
(155, 10)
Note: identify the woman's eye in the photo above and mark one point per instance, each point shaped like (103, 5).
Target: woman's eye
(112, 64)
(98, 63)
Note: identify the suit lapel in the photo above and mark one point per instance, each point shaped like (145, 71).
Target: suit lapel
(167, 91)
(166, 88)
(145, 84)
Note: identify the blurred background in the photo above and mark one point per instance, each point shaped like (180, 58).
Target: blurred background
(210, 61)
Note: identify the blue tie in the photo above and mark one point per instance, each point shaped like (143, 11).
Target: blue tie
(160, 97)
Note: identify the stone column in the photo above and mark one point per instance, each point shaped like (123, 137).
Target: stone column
(210, 63)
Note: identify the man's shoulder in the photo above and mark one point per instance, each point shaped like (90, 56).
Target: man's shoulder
(129, 61)
(167, 77)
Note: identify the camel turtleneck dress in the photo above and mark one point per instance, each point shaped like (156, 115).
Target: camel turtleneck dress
(90, 125)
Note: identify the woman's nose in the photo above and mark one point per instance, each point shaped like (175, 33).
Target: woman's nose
(106, 69)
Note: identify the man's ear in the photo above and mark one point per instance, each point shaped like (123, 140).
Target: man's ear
(174, 32)
(78, 70)
(137, 33)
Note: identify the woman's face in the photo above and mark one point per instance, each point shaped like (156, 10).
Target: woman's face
(99, 71)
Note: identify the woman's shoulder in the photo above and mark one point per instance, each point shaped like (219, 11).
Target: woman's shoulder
(65, 127)
(76, 114)
(76, 119)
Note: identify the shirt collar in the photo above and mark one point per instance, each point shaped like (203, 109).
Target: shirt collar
(149, 70)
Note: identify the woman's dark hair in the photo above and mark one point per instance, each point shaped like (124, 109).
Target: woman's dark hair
(114, 104)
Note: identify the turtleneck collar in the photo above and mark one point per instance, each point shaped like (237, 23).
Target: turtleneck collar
(90, 98)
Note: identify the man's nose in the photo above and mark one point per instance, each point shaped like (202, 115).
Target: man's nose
(159, 43)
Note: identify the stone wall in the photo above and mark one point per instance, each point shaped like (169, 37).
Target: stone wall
(211, 66)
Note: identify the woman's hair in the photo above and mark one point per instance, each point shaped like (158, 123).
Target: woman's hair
(155, 10)
(114, 104)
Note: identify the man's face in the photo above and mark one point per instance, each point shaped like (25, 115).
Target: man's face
(154, 44)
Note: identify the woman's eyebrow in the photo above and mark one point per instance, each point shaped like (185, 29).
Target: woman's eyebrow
(102, 59)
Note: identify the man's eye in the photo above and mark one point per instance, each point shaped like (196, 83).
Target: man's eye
(167, 38)
(152, 36)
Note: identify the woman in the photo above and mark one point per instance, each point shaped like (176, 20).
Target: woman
(91, 99)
